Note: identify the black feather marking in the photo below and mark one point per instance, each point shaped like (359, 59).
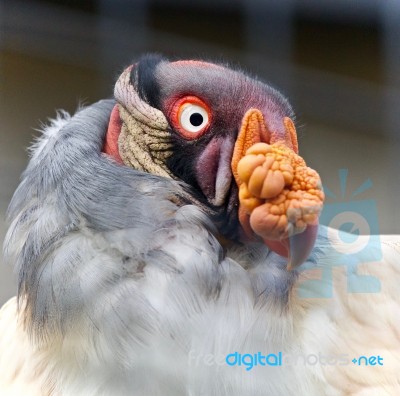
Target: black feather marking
(144, 75)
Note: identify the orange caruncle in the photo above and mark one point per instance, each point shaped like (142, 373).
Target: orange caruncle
(278, 191)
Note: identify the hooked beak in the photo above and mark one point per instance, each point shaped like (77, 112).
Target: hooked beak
(265, 188)
(296, 248)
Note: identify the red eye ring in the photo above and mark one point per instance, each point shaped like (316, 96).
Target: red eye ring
(190, 117)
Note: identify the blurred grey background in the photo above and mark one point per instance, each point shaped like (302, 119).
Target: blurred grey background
(337, 60)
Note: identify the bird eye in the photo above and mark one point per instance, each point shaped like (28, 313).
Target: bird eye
(193, 118)
(190, 117)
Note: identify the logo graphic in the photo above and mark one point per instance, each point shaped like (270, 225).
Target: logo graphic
(351, 237)
(368, 360)
(278, 359)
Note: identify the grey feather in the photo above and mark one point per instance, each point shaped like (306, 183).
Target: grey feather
(69, 192)
(121, 275)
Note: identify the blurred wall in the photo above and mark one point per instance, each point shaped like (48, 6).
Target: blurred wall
(338, 62)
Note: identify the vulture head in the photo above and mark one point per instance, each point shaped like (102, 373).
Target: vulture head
(195, 121)
(230, 139)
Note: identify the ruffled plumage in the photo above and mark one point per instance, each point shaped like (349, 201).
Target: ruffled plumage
(124, 291)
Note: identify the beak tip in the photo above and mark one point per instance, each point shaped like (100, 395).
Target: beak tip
(301, 246)
(290, 266)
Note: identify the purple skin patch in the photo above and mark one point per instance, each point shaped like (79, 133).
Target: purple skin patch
(213, 169)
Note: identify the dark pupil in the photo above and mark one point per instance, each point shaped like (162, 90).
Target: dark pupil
(196, 119)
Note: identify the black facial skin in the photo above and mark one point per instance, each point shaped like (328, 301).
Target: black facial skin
(182, 163)
(186, 152)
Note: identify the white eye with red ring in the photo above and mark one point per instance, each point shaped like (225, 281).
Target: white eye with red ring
(190, 117)
(193, 118)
